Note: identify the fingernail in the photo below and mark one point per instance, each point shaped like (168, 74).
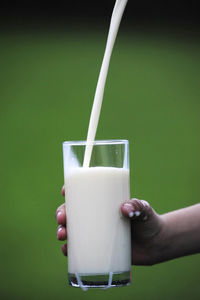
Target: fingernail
(131, 214)
(137, 213)
(128, 204)
(58, 230)
(59, 213)
(144, 202)
(63, 190)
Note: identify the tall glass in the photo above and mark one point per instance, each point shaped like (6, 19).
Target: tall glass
(98, 236)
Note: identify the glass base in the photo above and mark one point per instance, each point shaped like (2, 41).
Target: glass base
(103, 281)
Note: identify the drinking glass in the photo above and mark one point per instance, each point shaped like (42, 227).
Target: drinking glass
(98, 236)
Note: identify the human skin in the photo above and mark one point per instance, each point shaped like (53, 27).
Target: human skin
(155, 238)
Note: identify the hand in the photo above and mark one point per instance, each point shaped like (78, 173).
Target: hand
(146, 230)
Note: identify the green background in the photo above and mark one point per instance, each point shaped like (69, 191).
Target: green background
(48, 80)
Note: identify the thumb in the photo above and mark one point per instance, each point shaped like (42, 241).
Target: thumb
(145, 222)
(136, 208)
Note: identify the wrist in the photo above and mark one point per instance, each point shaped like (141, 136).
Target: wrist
(179, 235)
(161, 242)
(164, 242)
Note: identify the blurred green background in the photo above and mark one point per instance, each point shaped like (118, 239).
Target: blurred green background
(48, 80)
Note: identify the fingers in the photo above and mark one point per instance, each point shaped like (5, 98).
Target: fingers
(63, 190)
(61, 230)
(136, 208)
(64, 249)
(61, 233)
(145, 222)
(61, 220)
(61, 215)
(61, 212)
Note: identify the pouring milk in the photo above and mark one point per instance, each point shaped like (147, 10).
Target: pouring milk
(94, 117)
(98, 243)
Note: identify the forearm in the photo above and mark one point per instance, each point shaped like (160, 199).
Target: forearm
(181, 233)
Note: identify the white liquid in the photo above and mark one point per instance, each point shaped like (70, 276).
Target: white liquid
(94, 118)
(98, 236)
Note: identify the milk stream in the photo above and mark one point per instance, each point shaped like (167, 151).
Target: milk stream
(108, 187)
(94, 117)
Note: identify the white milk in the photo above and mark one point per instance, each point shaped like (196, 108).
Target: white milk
(94, 118)
(98, 235)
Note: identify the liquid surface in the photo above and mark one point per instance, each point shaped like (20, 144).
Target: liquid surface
(98, 235)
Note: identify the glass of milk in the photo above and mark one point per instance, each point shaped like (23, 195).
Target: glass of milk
(98, 236)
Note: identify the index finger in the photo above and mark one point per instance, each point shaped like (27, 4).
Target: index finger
(61, 215)
(63, 190)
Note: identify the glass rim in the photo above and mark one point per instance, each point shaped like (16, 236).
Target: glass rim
(96, 142)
